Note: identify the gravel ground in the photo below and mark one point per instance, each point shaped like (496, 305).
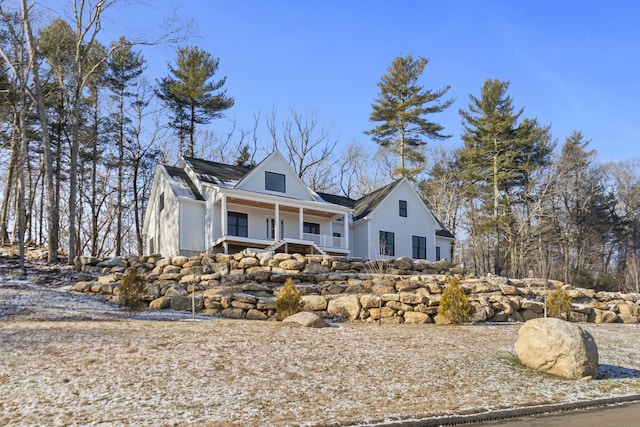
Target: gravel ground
(70, 359)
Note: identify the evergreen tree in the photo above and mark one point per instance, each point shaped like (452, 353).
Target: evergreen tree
(401, 109)
(190, 93)
(124, 67)
(499, 154)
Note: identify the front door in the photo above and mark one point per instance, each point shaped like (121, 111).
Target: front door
(270, 226)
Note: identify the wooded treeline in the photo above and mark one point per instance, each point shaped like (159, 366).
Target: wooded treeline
(82, 129)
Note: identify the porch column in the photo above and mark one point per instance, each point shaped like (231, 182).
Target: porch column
(223, 216)
(346, 231)
(300, 223)
(276, 230)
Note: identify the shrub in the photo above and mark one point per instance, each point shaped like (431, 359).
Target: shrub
(454, 303)
(289, 300)
(558, 304)
(132, 287)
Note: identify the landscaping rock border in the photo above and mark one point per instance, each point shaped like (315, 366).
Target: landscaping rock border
(245, 286)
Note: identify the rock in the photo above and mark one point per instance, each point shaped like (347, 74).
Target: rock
(185, 303)
(628, 309)
(314, 303)
(179, 261)
(316, 269)
(370, 301)
(439, 319)
(535, 306)
(605, 316)
(175, 290)
(309, 320)
(254, 314)
(83, 286)
(233, 313)
(381, 313)
(248, 262)
(161, 303)
(403, 263)
(414, 299)
(416, 317)
(341, 265)
(347, 307)
(109, 278)
(291, 264)
(557, 347)
(405, 285)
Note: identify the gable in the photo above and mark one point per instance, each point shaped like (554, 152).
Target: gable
(274, 176)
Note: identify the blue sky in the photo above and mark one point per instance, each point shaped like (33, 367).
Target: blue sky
(574, 65)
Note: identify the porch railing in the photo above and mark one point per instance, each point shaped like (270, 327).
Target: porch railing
(325, 241)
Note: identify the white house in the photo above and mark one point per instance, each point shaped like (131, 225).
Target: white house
(204, 206)
(393, 221)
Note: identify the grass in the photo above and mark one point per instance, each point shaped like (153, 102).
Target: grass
(226, 372)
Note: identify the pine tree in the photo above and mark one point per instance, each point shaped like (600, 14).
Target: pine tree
(190, 93)
(124, 67)
(401, 109)
(500, 152)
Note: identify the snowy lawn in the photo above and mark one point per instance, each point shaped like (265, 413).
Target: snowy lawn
(68, 359)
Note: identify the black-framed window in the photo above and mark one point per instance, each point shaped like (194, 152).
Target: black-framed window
(275, 182)
(310, 228)
(402, 207)
(237, 224)
(161, 203)
(438, 253)
(387, 243)
(419, 247)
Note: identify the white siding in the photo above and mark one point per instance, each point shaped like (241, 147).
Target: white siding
(445, 247)
(192, 226)
(255, 180)
(386, 217)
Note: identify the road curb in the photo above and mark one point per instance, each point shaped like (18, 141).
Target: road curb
(507, 414)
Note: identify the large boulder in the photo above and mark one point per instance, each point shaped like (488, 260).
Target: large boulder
(307, 319)
(557, 347)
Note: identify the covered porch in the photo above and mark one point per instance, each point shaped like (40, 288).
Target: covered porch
(282, 225)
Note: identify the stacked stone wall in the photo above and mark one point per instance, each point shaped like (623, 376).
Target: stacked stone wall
(245, 286)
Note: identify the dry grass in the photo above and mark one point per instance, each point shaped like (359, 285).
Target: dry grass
(224, 372)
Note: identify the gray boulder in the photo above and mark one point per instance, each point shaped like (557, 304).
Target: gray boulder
(557, 347)
(309, 320)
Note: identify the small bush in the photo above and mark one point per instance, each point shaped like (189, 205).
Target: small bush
(132, 287)
(559, 304)
(289, 300)
(454, 303)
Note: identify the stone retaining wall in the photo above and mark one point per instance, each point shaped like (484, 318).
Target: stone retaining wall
(245, 286)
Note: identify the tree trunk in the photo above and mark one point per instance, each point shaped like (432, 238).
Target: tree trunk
(8, 186)
(46, 146)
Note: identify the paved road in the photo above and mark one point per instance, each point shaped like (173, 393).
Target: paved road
(617, 416)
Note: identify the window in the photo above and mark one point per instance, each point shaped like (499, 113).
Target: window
(311, 228)
(271, 228)
(161, 202)
(275, 182)
(403, 208)
(437, 253)
(387, 243)
(238, 224)
(336, 234)
(419, 247)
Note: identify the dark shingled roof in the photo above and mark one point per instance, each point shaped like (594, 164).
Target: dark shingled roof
(364, 205)
(181, 176)
(216, 173)
(338, 200)
(445, 233)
